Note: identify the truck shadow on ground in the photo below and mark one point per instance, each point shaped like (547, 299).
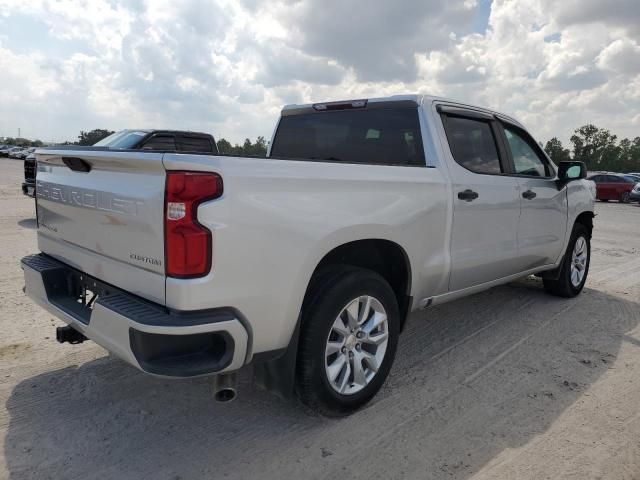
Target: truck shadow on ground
(471, 379)
(29, 223)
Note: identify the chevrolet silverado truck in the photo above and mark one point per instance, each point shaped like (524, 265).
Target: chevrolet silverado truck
(304, 264)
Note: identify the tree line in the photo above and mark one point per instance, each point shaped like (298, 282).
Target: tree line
(598, 149)
(22, 142)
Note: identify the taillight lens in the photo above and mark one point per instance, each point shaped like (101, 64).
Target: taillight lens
(187, 244)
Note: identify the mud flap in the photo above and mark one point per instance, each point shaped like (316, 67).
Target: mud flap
(278, 375)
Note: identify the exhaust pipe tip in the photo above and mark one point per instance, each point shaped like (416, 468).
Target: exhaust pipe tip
(224, 387)
(225, 395)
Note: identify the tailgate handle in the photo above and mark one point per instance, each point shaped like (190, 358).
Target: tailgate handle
(77, 164)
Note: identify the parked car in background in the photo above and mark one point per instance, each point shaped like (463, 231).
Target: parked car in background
(22, 154)
(634, 196)
(632, 176)
(613, 186)
(148, 140)
(160, 140)
(29, 184)
(304, 264)
(11, 152)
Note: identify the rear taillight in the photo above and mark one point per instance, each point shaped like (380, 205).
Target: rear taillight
(187, 244)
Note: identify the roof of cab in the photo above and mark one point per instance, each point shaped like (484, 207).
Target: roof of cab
(162, 130)
(418, 99)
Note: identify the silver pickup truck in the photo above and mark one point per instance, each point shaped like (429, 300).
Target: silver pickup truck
(307, 263)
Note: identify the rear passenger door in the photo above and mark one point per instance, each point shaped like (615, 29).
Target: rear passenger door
(486, 200)
(543, 208)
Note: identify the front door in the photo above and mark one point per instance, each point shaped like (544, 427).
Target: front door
(486, 202)
(543, 213)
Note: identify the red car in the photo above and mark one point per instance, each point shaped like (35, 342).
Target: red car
(611, 186)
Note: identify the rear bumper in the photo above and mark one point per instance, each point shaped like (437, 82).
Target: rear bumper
(634, 196)
(147, 335)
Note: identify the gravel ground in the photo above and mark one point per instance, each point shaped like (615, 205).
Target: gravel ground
(510, 384)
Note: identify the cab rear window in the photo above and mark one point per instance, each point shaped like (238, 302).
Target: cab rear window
(385, 136)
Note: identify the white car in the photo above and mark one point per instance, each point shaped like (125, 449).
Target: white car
(17, 152)
(13, 151)
(307, 263)
(25, 153)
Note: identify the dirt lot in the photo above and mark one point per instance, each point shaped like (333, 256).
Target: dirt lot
(510, 384)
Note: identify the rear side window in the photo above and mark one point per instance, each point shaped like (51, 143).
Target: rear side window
(195, 144)
(386, 136)
(473, 144)
(160, 142)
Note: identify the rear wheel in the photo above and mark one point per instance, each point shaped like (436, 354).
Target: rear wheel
(350, 329)
(625, 197)
(575, 266)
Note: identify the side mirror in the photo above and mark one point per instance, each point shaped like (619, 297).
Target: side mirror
(568, 171)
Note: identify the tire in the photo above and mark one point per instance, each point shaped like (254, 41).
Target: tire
(625, 197)
(330, 348)
(569, 284)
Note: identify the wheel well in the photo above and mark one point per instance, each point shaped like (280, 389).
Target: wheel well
(586, 219)
(383, 257)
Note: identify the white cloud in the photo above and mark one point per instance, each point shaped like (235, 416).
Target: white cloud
(621, 56)
(227, 67)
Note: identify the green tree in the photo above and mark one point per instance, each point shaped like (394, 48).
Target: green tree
(595, 147)
(634, 155)
(260, 147)
(93, 136)
(556, 151)
(23, 142)
(248, 148)
(629, 155)
(224, 146)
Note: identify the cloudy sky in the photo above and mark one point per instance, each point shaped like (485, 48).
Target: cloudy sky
(227, 66)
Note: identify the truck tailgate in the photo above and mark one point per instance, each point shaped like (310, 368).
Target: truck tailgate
(102, 213)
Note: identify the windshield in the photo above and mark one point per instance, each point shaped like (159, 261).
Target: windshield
(122, 139)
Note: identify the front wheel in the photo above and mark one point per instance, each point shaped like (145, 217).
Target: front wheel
(349, 334)
(575, 266)
(625, 197)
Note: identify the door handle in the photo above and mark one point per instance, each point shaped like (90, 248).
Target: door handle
(468, 195)
(529, 194)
